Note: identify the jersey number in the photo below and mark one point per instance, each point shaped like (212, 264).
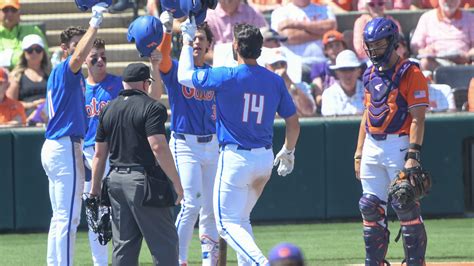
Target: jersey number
(253, 103)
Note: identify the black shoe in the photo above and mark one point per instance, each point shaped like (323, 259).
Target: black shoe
(120, 6)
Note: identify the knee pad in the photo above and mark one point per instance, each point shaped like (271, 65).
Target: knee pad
(376, 234)
(406, 212)
(372, 208)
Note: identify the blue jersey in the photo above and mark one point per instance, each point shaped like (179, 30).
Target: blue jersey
(247, 98)
(97, 97)
(65, 101)
(192, 111)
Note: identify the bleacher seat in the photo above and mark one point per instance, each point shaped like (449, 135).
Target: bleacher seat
(458, 77)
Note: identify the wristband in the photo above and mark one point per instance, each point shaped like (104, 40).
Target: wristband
(415, 146)
(413, 155)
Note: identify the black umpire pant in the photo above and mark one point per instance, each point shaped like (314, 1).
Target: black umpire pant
(131, 222)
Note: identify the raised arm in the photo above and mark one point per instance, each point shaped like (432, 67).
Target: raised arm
(85, 44)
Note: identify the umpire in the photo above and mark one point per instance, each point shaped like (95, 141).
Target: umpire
(131, 128)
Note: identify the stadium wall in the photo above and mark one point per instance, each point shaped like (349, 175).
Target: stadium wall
(321, 187)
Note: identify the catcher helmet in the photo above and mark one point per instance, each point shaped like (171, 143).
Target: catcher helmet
(147, 33)
(83, 5)
(378, 29)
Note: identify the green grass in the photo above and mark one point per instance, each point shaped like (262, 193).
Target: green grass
(322, 243)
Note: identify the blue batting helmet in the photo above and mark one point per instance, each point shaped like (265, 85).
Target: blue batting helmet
(378, 29)
(181, 8)
(83, 5)
(147, 33)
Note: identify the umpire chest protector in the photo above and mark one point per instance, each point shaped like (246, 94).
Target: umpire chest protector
(387, 109)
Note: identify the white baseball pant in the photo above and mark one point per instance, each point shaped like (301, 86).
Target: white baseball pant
(99, 252)
(240, 180)
(381, 161)
(196, 163)
(64, 166)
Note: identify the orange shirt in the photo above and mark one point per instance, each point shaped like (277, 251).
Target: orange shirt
(9, 109)
(412, 91)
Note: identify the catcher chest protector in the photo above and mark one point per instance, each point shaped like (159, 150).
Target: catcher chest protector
(383, 98)
(412, 230)
(376, 234)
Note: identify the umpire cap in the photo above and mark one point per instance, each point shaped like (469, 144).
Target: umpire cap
(136, 72)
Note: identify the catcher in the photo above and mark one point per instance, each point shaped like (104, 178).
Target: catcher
(390, 139)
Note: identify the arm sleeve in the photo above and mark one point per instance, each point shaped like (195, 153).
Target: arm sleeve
(186, 66)
(286, 107)
(156, 117)
(165, 49)
(214, 79)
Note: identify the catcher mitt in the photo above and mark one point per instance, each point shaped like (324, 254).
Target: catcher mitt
(410, 185)
(98, 218)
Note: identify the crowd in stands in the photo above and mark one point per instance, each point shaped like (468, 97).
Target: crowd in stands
(321, 66)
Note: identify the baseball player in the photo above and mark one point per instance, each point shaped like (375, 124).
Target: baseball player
(390, 138)
(61, 154)
(247, 98)
(194, 145)
(101, 88)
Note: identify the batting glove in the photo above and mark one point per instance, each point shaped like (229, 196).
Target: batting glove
(98, 14)
(166, 19)
(286, 158)
(188, 30)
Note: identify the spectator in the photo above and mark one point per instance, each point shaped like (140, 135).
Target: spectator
(339, 6)
(30, 76)
(429, 4)
(271, 38)
(12, 33)
(286, 254)
(266, 5)
(222, 19)
(12, 112)
(304, 23)
(375, 8)
(441, 98)
(402, 49)
(395, 4)
(321, 75)
(444, 36)
(346, 95)
(275, 61)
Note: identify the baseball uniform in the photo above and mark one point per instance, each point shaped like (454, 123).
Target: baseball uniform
(97, 97)
(61, 156)
(247, 98)
(195, 150)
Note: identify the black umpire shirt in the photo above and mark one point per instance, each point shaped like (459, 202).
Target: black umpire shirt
(126, 122)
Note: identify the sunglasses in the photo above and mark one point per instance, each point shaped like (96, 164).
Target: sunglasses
(9, 10)
(96, 59)
(372, 4)
(37, 49)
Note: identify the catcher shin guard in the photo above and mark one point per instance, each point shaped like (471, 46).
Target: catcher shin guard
(210, 251)
(412, 230)
(376, 234)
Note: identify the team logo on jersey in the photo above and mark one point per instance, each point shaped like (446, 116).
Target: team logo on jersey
(94, 108)
(199, 95)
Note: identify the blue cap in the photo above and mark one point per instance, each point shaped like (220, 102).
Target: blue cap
(285, 251)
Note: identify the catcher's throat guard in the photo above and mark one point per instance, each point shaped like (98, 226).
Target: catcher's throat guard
(410, 185)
